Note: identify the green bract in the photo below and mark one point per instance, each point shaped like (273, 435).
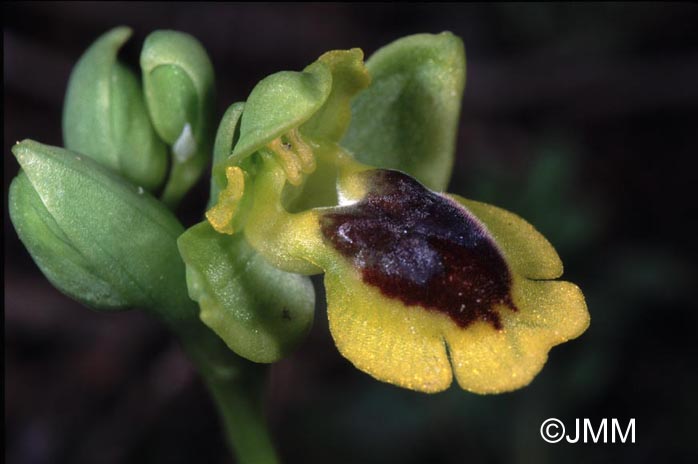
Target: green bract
(407, 119)
(178, 85)
(97, 237)
(105, 118)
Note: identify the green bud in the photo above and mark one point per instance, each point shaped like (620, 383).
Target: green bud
(178, 85)
(407, 119)
(105, 118)
(261, 312)
(52, 251)
(97, 237)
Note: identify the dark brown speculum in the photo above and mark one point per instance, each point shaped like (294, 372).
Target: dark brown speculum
(421, 248)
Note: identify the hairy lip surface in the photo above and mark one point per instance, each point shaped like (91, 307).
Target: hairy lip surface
(421, 248)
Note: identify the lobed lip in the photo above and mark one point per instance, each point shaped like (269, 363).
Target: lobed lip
(420, 248)
(393, 326)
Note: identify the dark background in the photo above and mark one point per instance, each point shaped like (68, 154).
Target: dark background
(583, 119)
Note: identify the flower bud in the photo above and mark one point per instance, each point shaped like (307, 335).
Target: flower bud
(105, 118)
(98, 238)
(178, 85)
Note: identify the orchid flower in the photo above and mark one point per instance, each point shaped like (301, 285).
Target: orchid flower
(338, 169)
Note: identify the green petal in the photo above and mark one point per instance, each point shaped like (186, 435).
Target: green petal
(349, 76)
(279, 103)
(261, 313)
(407, 119)
(178, 86)
(110, 229)
(226, 136)
(328, 124)
(105, 118)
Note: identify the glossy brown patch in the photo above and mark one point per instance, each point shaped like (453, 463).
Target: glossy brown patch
(421, 248)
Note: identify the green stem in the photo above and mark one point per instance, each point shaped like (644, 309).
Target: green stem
(236, 386)
(241, 411)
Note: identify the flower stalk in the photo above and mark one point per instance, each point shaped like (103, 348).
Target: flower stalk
(236, 387)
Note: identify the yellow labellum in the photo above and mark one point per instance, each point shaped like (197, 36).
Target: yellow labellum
(423, 349)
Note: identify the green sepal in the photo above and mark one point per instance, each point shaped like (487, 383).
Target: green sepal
(327, 126)
(349, 76)
(105, 118)
(114, 237)
(279, 103)
(407, 119)
(178, 83)
(261, 312)
(227, 134)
